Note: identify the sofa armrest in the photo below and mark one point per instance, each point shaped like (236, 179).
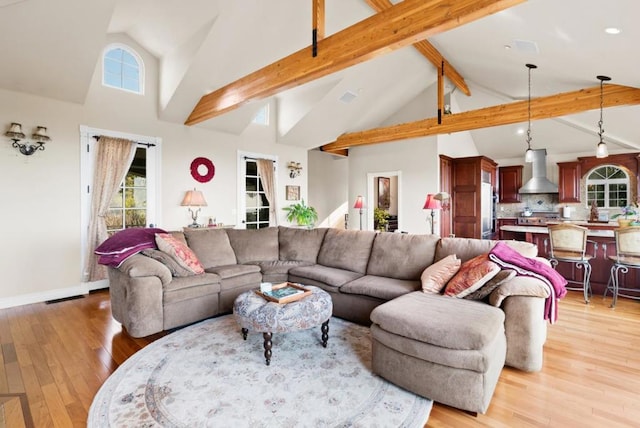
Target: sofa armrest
(519, 286)
(138, 266)
(526, 331)
(137, 302)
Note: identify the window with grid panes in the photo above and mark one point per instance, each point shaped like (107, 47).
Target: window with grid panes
(608, 186)
(122, 68)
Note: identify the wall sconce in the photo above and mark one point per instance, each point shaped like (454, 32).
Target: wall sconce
(194, 198)
(15, 134)
(294, 169)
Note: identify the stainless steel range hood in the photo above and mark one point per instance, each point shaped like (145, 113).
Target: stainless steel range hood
(539, 182)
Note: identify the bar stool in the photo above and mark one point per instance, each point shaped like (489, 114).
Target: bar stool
(569, 245)
(627, 257)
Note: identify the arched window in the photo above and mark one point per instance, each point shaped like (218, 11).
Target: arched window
(122, 68)
(608, 185)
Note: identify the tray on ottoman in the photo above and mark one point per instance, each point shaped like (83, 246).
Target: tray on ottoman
(285, 292)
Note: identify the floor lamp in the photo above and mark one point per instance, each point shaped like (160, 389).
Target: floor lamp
(432, 204)
(359, 205)
(445, 201)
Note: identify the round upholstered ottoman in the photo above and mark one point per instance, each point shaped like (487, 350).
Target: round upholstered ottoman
(254, 313)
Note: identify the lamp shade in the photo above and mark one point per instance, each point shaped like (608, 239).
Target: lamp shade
(359, 203)
(193, 198)
(431, 203)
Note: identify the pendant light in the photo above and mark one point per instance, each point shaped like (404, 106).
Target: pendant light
(528, 155)
(601, 150)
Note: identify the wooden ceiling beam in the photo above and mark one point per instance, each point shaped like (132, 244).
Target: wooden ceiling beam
(428, 51)
(505, 114)
(398, 26)
(317, 24)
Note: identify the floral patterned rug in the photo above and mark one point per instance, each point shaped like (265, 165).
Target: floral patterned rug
(206, 375)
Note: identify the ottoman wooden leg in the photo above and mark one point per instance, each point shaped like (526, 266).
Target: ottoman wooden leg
(267, 347)
(325, 333)
(244, 333)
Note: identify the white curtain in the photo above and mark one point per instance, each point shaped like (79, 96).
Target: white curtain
(266, 173)
(113, 158)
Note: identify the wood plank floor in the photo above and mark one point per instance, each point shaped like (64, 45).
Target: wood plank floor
(55, 357)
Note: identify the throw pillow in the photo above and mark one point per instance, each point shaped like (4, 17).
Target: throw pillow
(174, 267)
(125, 243)
(435, 277)
(503, 276)
(182, 254)
(472, 275)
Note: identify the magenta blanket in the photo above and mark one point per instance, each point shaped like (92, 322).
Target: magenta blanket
(506, 256)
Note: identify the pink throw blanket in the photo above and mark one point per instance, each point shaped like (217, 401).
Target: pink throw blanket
(507, 257)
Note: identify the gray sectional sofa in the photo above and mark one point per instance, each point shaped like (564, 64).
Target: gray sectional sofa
(362, 271)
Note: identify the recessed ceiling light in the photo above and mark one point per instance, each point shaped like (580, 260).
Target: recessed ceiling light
(612, 30)
(520, 131)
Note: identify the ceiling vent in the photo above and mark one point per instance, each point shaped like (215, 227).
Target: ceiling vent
(526, 46)
(348, 96)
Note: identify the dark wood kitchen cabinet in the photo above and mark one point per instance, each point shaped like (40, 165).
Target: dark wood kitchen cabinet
(509, 182)
(569, 175)
(472, 183)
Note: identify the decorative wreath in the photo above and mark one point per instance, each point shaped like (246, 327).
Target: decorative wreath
(202, 178)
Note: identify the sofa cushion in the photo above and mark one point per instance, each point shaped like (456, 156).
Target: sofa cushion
(324, 274)
(435, 277)
(300, 244)
(380, 287)
(251, 245)
(211, 245)
(279, 266)
(468, 248)
(472, 275)
(179, 252)
(400, 255)
(231, 271)
(503, 276)
(191, 287)
(346, 249)
(174, 267)
(449, 323)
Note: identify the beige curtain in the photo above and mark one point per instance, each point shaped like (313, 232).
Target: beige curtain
(265, 170)
(113, 158)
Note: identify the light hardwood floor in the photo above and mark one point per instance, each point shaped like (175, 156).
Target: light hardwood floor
(55, 357)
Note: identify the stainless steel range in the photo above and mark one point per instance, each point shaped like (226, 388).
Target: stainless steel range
(537, 218)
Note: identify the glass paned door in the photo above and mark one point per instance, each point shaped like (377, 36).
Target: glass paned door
(128, 207)
(256, 209)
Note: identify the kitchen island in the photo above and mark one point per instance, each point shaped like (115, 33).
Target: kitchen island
(601, 245)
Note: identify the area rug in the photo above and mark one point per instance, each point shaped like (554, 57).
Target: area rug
(206, 375)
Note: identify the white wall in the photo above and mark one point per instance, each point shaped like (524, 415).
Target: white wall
(328, 190)
(41, 193)
(416, 159)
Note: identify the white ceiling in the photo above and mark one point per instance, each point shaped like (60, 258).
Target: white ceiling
(51, 49)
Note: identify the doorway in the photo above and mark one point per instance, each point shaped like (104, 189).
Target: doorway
(384, 191)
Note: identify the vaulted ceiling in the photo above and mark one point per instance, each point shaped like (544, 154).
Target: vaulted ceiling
(52, 48)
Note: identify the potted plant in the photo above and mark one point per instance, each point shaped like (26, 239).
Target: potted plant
(302, 214)
(626, 216)
(380, 219)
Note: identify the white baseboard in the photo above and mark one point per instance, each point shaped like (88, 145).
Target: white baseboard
(60, 293)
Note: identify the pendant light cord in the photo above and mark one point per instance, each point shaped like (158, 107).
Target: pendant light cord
(529, 111)
(601, 131)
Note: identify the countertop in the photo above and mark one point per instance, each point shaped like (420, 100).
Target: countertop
(543, 230)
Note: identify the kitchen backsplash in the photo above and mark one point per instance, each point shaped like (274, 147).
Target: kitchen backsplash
(542, 202)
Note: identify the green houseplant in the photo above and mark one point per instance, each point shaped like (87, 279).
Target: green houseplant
(380, 218)
(302, 214)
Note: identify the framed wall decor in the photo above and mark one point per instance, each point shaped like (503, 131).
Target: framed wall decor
(293, 193)
(384, 192)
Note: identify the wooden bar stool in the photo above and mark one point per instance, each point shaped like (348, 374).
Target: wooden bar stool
(627, 257)
(569, 244)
